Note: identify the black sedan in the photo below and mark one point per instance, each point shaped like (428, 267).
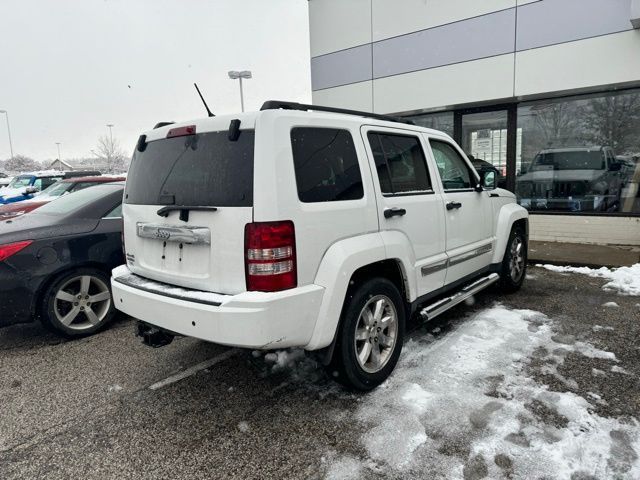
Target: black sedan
(55, 263)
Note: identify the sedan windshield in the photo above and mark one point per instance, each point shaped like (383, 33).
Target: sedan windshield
(55, 190)
(68, 204)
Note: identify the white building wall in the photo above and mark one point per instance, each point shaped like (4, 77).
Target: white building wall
(392, 56)
(585, 229)
(338, 24)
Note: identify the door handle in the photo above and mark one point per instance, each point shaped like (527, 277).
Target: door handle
(452, 205)
(394, 212)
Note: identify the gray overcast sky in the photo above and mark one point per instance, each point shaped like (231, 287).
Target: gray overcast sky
(68, 67)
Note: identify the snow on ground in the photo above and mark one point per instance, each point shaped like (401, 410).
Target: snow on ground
(611, 305)
(624, 280)
(465, 406)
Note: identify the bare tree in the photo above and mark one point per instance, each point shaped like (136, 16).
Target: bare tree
(558, 123)
(614, 121)
(110, 152)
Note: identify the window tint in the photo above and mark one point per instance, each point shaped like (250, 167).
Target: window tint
(453, 169)
(81, 185)
(206, 169)
(115, 213)
(326, 165)
(400, 163)
(42, 183)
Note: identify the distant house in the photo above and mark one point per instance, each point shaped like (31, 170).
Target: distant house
(81, 164)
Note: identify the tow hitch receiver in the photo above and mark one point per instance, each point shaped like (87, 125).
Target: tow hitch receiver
(153, 336)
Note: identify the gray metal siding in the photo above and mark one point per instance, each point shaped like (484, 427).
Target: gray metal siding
(533, 25)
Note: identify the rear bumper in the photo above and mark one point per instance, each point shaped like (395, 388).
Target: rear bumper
(249, 320)
(16, 297)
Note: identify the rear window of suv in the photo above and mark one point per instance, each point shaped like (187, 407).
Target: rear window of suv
(206, 169)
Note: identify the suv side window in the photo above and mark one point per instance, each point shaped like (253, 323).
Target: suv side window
(326, 165)
(400, 163)
(453, 169)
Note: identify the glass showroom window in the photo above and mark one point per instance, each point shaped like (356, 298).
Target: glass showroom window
(442, 121)
(580, 154)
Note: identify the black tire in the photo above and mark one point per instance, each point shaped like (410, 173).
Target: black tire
(511, 278)
(345, 366)
(54, 310)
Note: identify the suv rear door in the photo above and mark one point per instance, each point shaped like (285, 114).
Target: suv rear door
(200, 246)
(408, 202)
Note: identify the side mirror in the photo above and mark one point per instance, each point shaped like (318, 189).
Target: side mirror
(489, 179)
(30, 190)
(615, 166)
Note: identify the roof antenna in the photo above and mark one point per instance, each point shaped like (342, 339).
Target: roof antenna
(205, 103)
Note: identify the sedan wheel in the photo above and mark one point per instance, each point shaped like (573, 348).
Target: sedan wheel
(77, 303)
(82, 302)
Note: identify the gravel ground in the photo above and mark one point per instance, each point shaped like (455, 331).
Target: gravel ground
(84, 409)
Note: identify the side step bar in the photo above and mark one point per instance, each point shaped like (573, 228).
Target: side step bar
(441, 306)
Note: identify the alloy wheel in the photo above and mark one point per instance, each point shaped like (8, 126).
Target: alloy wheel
(516, 263)
(82, 302)
(376, 333)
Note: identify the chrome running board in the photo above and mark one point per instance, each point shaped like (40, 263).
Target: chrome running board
(441, 306)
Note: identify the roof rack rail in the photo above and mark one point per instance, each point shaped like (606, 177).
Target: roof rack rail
(276, 104)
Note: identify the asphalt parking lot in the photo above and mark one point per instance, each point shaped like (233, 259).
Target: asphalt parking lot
(540, 384)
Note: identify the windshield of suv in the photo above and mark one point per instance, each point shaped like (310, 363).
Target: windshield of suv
(20, 182)
(572, 160)
(205, 169)
(67, 204)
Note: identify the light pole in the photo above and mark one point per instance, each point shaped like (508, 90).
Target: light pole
(8, 131)
(110, 126)
(235, 75)
(58, 144)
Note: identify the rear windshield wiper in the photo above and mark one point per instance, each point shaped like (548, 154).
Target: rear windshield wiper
(184, 210)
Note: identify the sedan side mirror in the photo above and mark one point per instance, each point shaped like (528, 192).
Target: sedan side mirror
(30, 190)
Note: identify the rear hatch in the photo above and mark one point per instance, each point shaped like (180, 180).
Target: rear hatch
(187, 199)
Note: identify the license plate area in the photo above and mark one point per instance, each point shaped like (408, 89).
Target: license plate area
(170, 233)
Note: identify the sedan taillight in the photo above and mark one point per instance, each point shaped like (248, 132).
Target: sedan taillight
(12, 248)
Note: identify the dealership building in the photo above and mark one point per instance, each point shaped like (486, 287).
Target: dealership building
(548, 91)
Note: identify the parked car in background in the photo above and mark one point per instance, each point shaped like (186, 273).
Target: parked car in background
(55, 262)
(306, 226)
(4, 180)
(62, 187)
(26, 185)
(573, 179)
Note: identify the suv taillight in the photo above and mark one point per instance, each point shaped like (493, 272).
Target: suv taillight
(270, 256)
(12, 248)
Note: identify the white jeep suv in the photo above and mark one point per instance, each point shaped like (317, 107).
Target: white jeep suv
(313, 227)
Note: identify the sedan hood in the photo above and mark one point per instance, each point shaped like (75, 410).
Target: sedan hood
(35, 226)
(7, 193)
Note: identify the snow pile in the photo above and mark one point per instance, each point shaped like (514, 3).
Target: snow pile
(464, 405)
(624, 280)
(285, 358)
